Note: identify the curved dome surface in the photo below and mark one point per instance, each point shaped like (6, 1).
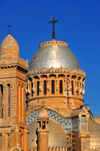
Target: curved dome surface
(43, 113)
(56, 136)
(9, 46)
(54, 54)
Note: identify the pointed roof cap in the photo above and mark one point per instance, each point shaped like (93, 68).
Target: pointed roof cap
(43, 113)
(9, 46)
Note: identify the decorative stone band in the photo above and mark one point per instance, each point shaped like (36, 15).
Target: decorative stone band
(56, 70)
(13, 60)
(54, 148)
(67, 124)
(53, 42)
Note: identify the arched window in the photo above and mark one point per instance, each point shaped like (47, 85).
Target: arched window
(1, 101)
(61, 86)
(72, 84)
(45, 87)
(37, 87)
(9, 99)
(53, 87)
(0, 141)
(83, 123)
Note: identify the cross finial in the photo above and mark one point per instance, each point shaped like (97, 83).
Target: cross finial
(9, 27)
(53, 22)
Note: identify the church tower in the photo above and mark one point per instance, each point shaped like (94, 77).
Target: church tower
(43, 120)
(13, 71)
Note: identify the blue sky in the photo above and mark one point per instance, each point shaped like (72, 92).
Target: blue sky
(79, 26)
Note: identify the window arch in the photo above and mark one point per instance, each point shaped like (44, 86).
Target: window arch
(9, 99)
(61, 86)
(53, 87)
(45, 87)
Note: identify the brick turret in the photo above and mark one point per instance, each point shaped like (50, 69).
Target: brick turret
(43, 131)
(13, 71)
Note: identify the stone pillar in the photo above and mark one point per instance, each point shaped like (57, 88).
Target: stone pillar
(33, 87)
(83, 88)
(16, 136)
(65, 87)
(25, 140)
(56, 83)
(70, 87)
(40, 88)
(27, 88)
(80, 87)
(76, 85)
(48, 85)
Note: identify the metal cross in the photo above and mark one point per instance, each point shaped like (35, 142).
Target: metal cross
(9, 27)
(53, 22)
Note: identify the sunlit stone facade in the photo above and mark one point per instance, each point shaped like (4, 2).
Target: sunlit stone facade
(56, 118)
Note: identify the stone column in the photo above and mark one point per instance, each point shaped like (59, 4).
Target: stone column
(70, 87)
(40, 87)
(80, 87)
(48, 86)
(25, 140)
(27, 88)
(76, 85)
(56, 83)
(33, 88)
(83, 87)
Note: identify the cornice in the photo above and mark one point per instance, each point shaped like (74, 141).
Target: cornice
(53, 42)
(53, 70)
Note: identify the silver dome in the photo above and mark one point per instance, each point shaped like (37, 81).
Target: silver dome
(53, 54)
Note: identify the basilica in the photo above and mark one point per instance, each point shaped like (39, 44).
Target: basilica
(56, 118)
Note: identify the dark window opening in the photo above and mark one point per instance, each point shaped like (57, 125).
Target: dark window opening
(45, 87)
(31, 89)
(39, 124)
(53, 86)
(43, 125)
(9, 97)
(61, 86)
(72, 84)
(37, 87)
(1, 101)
